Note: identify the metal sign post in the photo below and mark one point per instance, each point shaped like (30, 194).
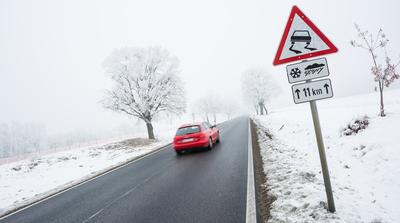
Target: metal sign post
(322, 156)
(302, 40)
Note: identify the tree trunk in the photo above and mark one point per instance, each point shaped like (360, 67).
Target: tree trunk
(380, 83)
(382, 107)
(266, 111)
(193, 117)
(150, 131)
(261, 105)
(215, 119)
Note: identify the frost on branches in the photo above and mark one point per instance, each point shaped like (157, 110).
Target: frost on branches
(374, 45)
(146, 83)
(257, 88)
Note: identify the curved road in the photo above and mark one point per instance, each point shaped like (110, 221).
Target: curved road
(208, 186)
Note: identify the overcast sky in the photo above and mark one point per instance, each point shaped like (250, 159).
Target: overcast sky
(51, 51)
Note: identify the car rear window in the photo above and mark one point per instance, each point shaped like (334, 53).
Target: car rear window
(188, 130)
(301, 33)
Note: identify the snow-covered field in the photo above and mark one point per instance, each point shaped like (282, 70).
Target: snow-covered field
(364, 167)
(30, 179)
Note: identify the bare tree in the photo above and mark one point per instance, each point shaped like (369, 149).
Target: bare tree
(215, 105)
(208, 106)
(202, 107)
(193, 114)
(384, 76)
(229, 108)
(19, 138)
(257, 88)
(145, 84)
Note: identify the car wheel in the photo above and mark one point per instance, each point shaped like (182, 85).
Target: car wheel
(210, 144)
(178, 152)
(217, 139)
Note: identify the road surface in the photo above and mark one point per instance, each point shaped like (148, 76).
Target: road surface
(208, 186)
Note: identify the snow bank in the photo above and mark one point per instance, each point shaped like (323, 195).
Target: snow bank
(364, 167)
(24, 181)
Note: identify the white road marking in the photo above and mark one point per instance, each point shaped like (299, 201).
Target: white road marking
(251, 216)
(109, 171)
(94, 215)
(119, 198)
(81, 183)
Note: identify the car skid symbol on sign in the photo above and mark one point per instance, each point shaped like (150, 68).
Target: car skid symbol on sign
(301, 39)
(299, 36)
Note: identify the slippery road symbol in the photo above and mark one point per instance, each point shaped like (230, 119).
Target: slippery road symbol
(301, 36)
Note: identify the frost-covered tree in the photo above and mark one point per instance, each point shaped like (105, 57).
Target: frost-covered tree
(257, 88)
(208, 106)
(146, 84)
(229, 108)
(19, 138)
(195, 112)
(384, 75)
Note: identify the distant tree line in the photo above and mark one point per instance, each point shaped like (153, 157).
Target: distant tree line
(23, 138)
(17, 138)
(212, 106)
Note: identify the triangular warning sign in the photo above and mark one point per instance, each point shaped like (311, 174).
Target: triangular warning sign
(302, 39)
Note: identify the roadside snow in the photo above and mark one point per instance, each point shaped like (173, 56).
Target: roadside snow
(364, 167)
(27, 180)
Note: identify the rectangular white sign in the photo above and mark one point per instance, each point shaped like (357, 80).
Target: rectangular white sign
(307, 70)
(311, 91)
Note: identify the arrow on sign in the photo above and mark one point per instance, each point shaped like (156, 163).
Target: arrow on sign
(312, 91)
(326, 86)
(298, 93)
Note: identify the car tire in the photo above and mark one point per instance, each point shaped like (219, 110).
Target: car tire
(178, 153)
(210, 144)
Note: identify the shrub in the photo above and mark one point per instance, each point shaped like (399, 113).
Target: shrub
(355, 126)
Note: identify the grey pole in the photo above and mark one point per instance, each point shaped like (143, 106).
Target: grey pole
(322, 156)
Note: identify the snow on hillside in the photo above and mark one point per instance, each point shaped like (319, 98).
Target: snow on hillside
(364, 167)
(24, 181)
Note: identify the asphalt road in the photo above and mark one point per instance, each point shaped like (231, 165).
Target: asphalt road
(208, 186)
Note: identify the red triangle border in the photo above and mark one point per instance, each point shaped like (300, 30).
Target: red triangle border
(295, 10)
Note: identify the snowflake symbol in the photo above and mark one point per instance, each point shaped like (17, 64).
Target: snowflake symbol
(295, 72)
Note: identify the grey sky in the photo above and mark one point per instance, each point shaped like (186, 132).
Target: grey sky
(51, 51)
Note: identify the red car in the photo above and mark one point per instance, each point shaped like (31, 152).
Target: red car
(196, 135)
